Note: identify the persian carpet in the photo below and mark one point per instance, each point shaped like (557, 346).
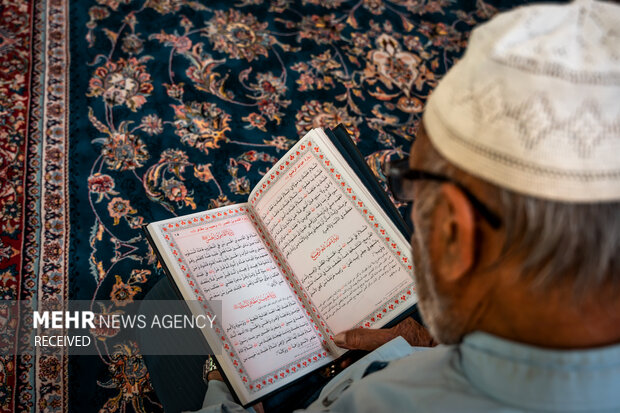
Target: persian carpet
(33, 189)
(115, 113)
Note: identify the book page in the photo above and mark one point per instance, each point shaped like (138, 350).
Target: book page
(344, 251)
(265, 333)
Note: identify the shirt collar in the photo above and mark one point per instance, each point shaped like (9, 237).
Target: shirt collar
(541, 379)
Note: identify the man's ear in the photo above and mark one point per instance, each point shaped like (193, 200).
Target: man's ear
(453, 234)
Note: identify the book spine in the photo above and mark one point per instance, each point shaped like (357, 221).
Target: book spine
(290, 278)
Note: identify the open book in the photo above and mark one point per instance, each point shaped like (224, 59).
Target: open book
(312, 253)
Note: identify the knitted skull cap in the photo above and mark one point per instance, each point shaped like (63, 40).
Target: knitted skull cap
(534, 104)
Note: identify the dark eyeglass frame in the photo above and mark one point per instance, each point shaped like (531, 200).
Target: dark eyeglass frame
(400, 170)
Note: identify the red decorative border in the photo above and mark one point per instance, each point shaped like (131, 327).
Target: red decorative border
(273, 177)
(266, 380)
(399, 298)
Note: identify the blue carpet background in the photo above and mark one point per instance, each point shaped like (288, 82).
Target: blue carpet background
(179, 106)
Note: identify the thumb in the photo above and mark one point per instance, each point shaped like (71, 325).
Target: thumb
(363, 339)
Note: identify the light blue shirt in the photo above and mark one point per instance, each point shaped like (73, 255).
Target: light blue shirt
(484, 373)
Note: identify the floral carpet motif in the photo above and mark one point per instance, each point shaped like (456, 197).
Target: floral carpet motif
(166, 107)
(34, 217)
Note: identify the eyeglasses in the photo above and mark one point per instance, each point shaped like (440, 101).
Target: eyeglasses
(401, 177)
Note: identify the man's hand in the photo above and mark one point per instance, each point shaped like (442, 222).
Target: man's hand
(367, 339)
(214, 375)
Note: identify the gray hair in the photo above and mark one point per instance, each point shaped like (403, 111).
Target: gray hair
(560, 242)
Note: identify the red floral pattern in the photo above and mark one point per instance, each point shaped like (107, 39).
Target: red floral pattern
(179, 105)
(33, 209)
(15, 95)
(173, 109)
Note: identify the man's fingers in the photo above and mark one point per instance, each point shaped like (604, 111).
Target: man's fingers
(363, 339)
(368, 339)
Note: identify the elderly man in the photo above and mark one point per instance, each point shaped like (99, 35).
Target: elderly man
(516, 181)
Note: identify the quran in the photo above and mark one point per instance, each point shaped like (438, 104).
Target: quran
(318, 249)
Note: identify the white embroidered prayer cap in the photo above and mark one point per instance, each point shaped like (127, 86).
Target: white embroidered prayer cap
(534, 104)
